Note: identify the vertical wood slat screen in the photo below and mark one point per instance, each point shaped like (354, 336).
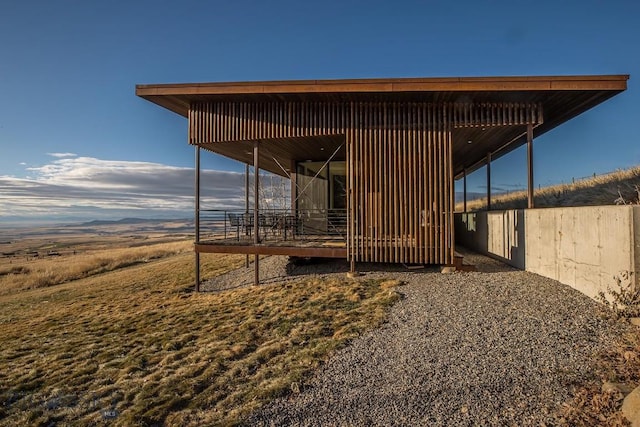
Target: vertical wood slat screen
(235, 121)
(399, 162)
(495, 114)
(211, 122)
(401, 183)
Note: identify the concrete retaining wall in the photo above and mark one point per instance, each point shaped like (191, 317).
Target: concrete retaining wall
(586, 248)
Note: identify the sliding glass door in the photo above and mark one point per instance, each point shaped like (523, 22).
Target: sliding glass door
(322, 196)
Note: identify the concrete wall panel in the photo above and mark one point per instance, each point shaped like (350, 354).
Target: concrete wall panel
(583, 247)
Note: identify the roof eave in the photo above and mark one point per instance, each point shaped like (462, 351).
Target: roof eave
(178, 97)
(602, 82)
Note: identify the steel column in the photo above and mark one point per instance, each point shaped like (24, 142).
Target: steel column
(488, 181)
(293, 178)
(246, 205)
(256, 207)
(464, 190)
(530, 184)
(197, 216)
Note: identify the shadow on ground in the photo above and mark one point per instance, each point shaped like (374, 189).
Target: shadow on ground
(275, 269)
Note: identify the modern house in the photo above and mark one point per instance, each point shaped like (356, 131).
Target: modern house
(372, 162)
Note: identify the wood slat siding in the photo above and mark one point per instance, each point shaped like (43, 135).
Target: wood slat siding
(399, 162)
(244, 121)
(496, 114)
(401, 184)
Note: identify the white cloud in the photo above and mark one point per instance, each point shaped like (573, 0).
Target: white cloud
(22, 164)
(61, 155)
(98, 188)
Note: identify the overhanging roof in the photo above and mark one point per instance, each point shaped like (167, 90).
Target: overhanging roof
(562, 97)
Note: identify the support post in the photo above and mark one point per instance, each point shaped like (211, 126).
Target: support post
(246, 206)
(294, 187)
(530, 184)
(256, 207)
(197, 216)
(464, 190)
(488, 181)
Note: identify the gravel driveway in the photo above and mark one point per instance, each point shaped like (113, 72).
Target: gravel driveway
(496, 347)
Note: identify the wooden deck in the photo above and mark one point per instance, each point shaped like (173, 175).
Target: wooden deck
(321, 248)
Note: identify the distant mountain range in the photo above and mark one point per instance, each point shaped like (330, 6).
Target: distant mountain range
(100, 226)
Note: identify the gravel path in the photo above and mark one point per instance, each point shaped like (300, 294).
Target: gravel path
(496, 347)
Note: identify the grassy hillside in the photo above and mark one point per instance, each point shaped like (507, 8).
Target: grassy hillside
(135, 346)
(614, 188)
(19, 273)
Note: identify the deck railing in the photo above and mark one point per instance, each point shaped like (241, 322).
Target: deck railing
(274, 225)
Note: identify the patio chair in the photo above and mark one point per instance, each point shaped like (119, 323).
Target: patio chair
(291, 222)
(247, 222)
(235, 221)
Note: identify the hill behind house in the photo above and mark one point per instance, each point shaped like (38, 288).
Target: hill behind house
(619, 187)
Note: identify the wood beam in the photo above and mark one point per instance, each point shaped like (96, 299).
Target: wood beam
(299, 251)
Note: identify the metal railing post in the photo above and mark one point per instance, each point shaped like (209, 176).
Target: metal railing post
(224, 213)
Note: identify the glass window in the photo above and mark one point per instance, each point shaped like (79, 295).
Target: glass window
(322, 194)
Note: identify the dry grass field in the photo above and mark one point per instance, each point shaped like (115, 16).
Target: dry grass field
(135, 346)
(19, 273)
(618, 187)
(109, 332)
(50, 255)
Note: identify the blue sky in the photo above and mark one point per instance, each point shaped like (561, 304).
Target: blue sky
(75, 141)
